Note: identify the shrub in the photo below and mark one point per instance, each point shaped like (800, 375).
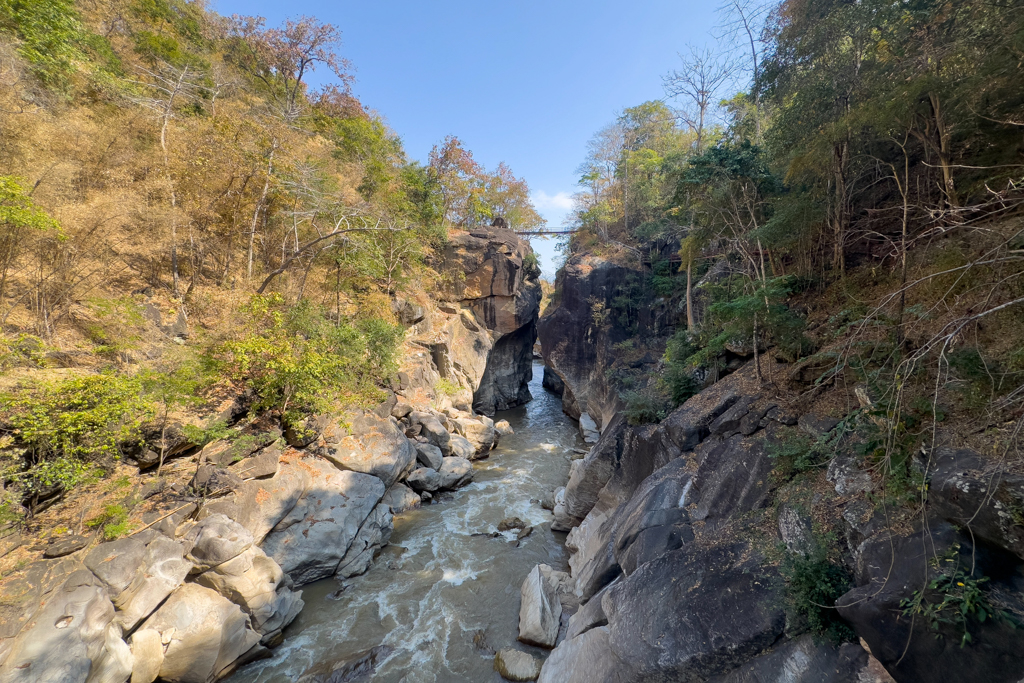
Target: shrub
(813, 584)
(69, 427)
(531, 266)
(679, 368)
(113, 520)
(49, 31)
(645, 406)
(446, 387)
(299, 362)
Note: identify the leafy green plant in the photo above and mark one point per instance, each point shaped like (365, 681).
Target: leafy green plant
(49, 31)
(531, 266)
(446, 387)
(67, 428)
(813, 584)
(645, 406)
(954, 597)
(679, 368)
(299, 362)
(114, 522)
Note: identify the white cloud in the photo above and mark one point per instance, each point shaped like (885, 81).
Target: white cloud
(553, 207)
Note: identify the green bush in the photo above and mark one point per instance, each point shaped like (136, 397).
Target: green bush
(298, 362)
(114, 522)
(813, 584)
(646, 406)
(446, 387)
(49, 31)
(679, 368)
(531, 266)
(68, 428)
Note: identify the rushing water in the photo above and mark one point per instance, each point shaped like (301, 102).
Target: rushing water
(437, 585)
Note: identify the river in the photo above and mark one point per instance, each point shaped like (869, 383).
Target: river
(443, 580)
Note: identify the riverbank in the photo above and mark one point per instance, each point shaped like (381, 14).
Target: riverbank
(445, 593)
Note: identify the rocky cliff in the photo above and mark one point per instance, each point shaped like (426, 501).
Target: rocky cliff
(600, 307)
(211, 576)
(696, 545)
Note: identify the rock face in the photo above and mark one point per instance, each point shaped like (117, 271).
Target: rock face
(366, 443)
(504, 296)
(310, 541)
(202, 632)
(540, 609)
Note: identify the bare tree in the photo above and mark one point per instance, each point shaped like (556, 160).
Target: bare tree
(702, 75)
(743, 22)
(171, 86)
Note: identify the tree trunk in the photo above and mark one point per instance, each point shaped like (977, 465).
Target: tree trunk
(691, 325)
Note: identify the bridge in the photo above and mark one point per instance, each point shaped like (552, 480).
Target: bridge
(557, 230)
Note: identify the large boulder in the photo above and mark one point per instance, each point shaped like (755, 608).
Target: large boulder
(429, 455)
(804, 661)
(71, 638)
(365, 442)
(916, 649)
(310, 541)
(401, 498)
(202, 633)
(424, 479)
(139, 573)
(455, 472)
(462, 448)
(479, 431)
(254, 581)
(373, 535)
(259, 505)
(540, 609)
(432, 430)
(683, 616)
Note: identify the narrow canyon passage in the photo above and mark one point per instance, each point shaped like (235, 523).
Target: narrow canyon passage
(443, 579)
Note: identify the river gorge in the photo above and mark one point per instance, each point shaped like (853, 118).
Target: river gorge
(448, 578)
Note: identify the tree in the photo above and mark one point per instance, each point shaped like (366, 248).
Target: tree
(20, 221)
(697, 83)
(281, 58)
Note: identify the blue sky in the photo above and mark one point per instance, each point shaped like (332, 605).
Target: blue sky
(523, 82)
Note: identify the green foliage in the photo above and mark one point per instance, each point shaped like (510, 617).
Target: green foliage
(114, 522)
(955, 596)
(679, 368)
(531, 266)
(796, 452)
(49, 31)
(813, 584)
(298, 362)
(645, 406)
(446, 387)
(85, 418)
(215, 431)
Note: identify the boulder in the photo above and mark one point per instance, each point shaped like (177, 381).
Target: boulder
(515, 665)
(455, 472)
(259, 505)
(148, 654)
(202, 633)
(139, 572)
(373, 535)
(479, 431)
(424, 479)
(401, 409)
(848, 478)
(683, 616)
(503, 428)
(733, 479)
(429, 455)
(540, 610)
(462, 448)
(588, 429)
(254, 581)
(365, 442)
(216, 540)
(71, 638)
(890, 570)
(804, 661)
(314, 536)
(401, 498)
(433, 430)
(260, 466)
(815, 425)
(65, 544)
